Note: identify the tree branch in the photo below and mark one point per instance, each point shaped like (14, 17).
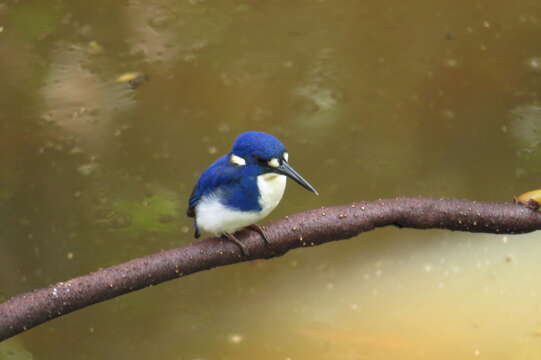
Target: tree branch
(309, 228)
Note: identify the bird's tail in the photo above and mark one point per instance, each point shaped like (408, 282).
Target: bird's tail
(197, 233)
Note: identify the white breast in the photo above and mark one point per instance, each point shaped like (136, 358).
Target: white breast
(271, 187)
(213, 217)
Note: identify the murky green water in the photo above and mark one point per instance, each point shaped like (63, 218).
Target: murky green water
(373, 99)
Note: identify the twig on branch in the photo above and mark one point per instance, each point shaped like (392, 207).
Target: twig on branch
(308, 228)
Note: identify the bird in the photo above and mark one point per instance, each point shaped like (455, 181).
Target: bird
(242, 187)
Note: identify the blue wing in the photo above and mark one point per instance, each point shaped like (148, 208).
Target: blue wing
(237, 185)
(219, 173)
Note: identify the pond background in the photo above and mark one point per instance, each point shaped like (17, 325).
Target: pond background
(373, 99)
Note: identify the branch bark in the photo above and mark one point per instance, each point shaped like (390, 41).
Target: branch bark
(308, 228)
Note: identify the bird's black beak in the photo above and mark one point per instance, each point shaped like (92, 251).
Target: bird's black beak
(287, 170)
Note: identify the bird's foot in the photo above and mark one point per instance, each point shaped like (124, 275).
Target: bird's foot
(261, 231)
(242, 247)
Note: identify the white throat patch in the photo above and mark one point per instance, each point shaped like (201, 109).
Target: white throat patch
(271, 188)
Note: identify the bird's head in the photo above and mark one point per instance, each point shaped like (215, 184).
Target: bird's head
(267, 153)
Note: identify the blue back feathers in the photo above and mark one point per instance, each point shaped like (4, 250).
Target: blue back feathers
(236, 186)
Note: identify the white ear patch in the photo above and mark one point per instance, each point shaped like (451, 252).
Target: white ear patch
(274, 163)
(286, 156)
(237, 160)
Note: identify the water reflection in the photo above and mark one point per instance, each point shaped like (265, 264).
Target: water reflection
(375, 99)
(80, 103)
(526, 126)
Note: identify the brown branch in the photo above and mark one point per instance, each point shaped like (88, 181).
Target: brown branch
(308, 228)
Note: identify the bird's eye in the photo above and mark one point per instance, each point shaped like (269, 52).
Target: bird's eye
(260, 160)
